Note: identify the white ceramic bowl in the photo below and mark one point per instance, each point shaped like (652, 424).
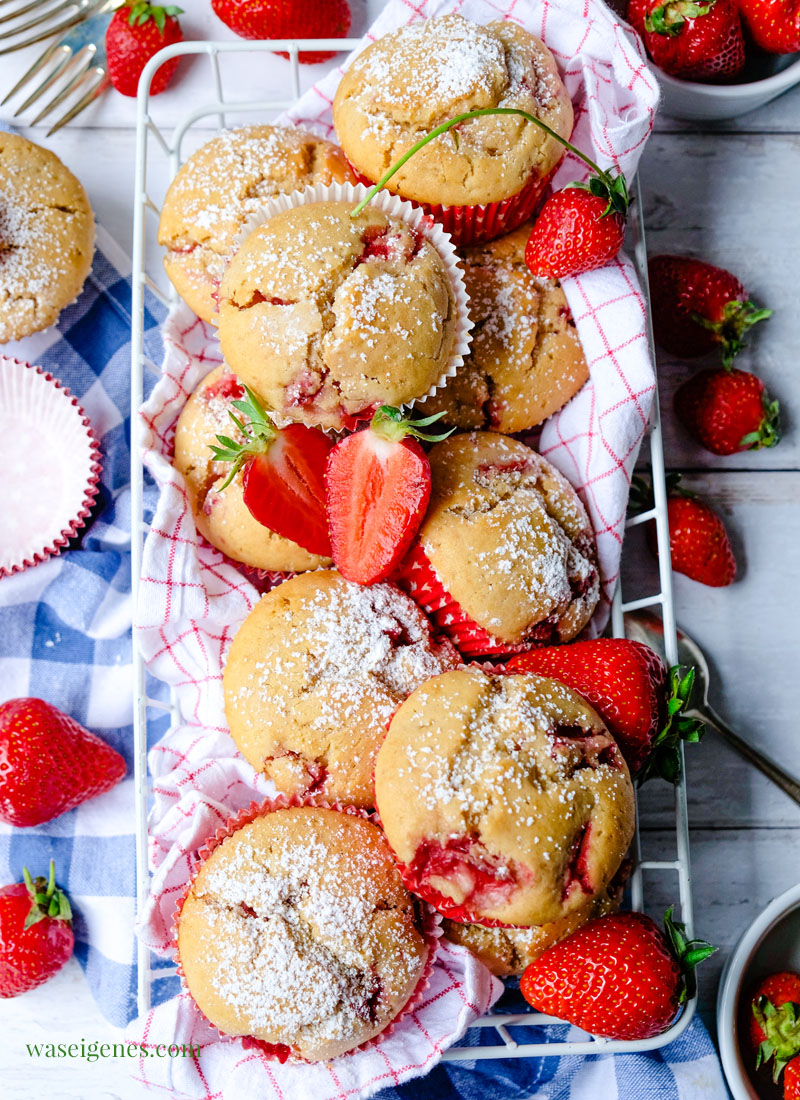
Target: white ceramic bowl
(713, 102)
(771, 943)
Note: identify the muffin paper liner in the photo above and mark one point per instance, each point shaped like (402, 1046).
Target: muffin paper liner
(51, 465)
(430, 923)
(419, 220)
(468, 225)
(417, 576)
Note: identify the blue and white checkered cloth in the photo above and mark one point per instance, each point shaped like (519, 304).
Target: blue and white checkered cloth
(65, 636)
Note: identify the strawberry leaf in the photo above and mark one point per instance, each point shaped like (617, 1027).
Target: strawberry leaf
(669, 19)
(389, 423)
(687, 953)
(47, 900)
(257, 431)
(781, 1027)
(664, 760)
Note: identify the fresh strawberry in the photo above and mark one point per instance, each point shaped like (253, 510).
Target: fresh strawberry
(774, 25)
(287, 19)
(377, 486)
(49, 763)
(774, 1028)
(617, 976)
(698, 307)
(698, 542)
(627, 684)
(728, 411)
(693, 41)
(137, 31)
(284, 474)
(791, 1080)
(579, 229)
(35, 933)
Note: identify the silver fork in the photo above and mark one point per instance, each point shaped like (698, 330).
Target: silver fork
(73, 66)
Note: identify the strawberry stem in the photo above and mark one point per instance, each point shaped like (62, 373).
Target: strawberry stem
(258, 433)
(687, 953)
(664, 761)
(390, 424)
(46, 898)
(781, 1028)
(668, 19)
(611, 184)
(768, 433)
(737, 318)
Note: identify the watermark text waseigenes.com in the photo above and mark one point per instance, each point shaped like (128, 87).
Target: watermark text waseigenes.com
(94, 1051)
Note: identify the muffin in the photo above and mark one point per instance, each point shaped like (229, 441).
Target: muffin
(316, 671)
(507, 951)
(298, 931)
(223, 184)
(223, 518)
(327, 316)
(504, 797)
(489, 179)
(505, 556)
(46, 237)
(526, 360)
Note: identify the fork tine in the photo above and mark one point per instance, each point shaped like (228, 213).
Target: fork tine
(48, 14)
(102, 82)
(40, 62)
(20, 11)
(56, 29)
(49, 81)
(83, 65)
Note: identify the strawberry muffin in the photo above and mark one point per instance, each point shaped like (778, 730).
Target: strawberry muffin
(506, 555)
(507, 951)
(298, 931)
(316, 671)
(504, 797)
(488, 180)
(223, 518)
(328, 316)
(526, 360)
(46, 237)
(223, 184)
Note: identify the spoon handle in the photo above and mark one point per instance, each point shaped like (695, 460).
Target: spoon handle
(767, 767)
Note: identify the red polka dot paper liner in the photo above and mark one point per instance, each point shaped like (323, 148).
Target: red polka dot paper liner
(469, 225)
(51, 466)
(417, 576)
(430, 924)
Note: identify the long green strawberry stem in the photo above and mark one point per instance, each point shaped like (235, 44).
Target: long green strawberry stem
(481, 112)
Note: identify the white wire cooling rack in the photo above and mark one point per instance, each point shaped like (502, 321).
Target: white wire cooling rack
(154, 147)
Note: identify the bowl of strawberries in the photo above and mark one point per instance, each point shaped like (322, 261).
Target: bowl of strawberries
(717, 59)
(758, 1005)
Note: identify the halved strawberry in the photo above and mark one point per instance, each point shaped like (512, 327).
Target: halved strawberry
(284, 474)
(377, 487)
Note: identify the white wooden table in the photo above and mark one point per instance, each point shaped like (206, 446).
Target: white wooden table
(728, 193)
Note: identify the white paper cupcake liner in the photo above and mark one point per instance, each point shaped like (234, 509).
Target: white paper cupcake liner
(51, 465)
(418, 219)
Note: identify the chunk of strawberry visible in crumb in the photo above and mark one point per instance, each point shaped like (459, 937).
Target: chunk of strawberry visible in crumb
(377, 488)
(136, 33)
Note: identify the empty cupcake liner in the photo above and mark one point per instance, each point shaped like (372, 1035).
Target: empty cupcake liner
(468, 225)
(51, 465)
(417, 576)
(419, 220)
(430, 923)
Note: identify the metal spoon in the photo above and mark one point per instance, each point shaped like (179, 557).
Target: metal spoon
(642, 626)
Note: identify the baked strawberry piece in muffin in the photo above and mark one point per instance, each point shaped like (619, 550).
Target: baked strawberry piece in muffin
(328, 316)
(504, 797)
(506, 555)
(316, 671)
(297, 931)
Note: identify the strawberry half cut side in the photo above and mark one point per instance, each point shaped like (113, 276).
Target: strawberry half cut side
(377, 488)
(283, 479)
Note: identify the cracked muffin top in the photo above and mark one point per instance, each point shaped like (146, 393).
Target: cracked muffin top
(327, 316)
(508, 538)
(223, 184)
(46, 237)
(408, 82)
(526, 360)
(504, 797)
(223, 518)
(298, 931)
(315, 672)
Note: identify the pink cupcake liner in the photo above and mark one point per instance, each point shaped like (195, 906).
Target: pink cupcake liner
(430, 922)
(417, 577)
(51, 465)
(469, 225)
